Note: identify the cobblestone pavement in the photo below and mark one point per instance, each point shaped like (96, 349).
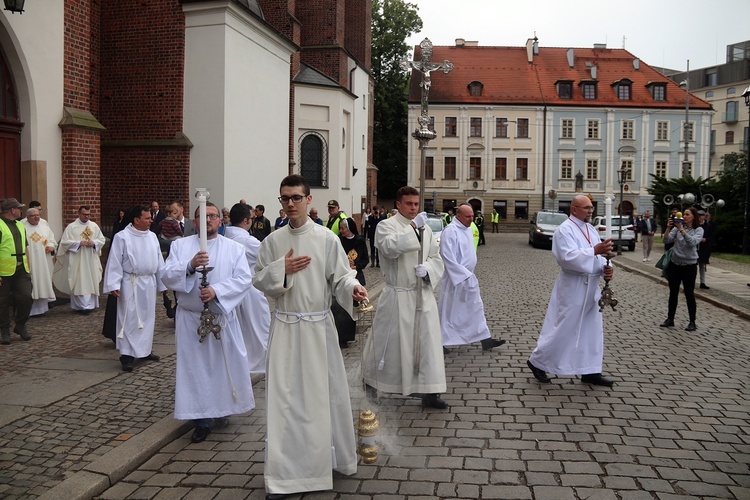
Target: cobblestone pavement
(675, 425)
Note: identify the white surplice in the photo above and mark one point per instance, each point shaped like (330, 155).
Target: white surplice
(213, 376)
(253, 312)
(78, 271)
(38, 238)
(460, 303)
(134, 267)
(310, 421)
(572, 337)
(389, 351)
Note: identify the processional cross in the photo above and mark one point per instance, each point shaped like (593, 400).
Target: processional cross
(423, 134)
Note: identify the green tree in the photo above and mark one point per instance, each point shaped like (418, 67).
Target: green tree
(393, 21)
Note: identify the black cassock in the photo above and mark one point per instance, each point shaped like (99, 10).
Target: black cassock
(345, 325)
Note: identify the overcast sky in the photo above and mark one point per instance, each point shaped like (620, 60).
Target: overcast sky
(661, 33)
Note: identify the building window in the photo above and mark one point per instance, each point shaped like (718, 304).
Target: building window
(627, 165)
(688, 131)
(475, 88)
(450, 168)
(731, 90)
(628, 127)
(688, 169)
(450, 126)
(711, 78)
(566, 168)
(475, 167)
(662, 131)
(729, 137)
(565, 90)
(501, 127)
(475, 127)
(501, 169)
(623, 91)
(313, 154)
(522, 128)
(661, 169)
(431, 125)
(732, 107)
(429, 167)
(567, 129)
(522, 169)
(589, 90)
(592, 129)
(502, 208)
(712, 143)
(522, 209)
(592, 170)
(709, 93)
(659, 92)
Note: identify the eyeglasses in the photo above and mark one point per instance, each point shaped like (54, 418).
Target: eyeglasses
(297, 198)
(213, 216)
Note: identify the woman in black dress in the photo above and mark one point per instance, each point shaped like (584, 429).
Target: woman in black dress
(355, 249)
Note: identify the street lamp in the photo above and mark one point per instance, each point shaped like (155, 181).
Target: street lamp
(14, 5)
(623, 177)
(746, 230)
(685, 135)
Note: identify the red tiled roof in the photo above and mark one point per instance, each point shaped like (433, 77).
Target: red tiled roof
(508, 78)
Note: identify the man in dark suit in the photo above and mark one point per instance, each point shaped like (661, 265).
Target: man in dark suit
(187, 225)
(372, 223)
(156, 217)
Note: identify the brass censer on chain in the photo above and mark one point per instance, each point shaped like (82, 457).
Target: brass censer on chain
(368, 429)
(207, 325)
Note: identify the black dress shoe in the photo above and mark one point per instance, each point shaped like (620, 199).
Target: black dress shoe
(488, 344)
(371, 392)
(221, 423)
(433, 401)
(276, 496)
(539, 374)
(446, 351)
(691, 327)
(23, 332)
(667, 322)
(127, 363)
(596, 379)
(152, 357)
(705, 287)
(200, 434)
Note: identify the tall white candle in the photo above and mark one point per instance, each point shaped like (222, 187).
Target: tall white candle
(608, 217)
(202, 220)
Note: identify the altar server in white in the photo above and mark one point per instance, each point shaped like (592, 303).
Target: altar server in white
(213, 376)
(572, 338)
(389, 354)
(253, 311)
(133, 275)
(79, 268)
(309, 422)
(460, 304)
(42, 245)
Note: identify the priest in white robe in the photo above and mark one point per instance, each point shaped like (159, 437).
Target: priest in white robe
(572, 337)
(78, 271)
(460, 303)
(213, 376)
(42, 245)
(133, 275)
(389, 352)
(309, 422)
(253, 312)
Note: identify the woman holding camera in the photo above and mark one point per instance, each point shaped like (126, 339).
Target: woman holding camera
(686, 235)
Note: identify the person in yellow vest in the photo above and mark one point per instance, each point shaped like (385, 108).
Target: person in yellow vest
(495, 220)
(448, 217)
(15, 279)
(475, 232)
(335, 216)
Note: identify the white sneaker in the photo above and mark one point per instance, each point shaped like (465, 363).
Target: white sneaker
(645, 259)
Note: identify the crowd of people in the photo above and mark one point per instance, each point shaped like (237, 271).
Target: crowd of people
(225, 331)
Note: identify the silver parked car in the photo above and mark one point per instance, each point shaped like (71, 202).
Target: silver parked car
(543, 225)
(628, 230)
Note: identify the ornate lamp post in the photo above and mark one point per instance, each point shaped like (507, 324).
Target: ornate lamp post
(746, 229)
(623, 177)
(685, 129)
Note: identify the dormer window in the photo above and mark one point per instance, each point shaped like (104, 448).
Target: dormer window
(564, 89)
(624, 89)
(475, 88)
(658, 90)
(588, 88)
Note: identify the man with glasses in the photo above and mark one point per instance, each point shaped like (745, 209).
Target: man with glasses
(572, 337)
(212, 377)
(302, 265)
(15, 280)
(80, 270)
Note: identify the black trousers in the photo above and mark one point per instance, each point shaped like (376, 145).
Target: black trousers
(15, 291)
(374, 257)
(684, 275)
